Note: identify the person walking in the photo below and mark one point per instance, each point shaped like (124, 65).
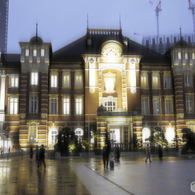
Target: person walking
(148, 153)
(31, 152)
(37, 155)
(42, 157)
(160, 152)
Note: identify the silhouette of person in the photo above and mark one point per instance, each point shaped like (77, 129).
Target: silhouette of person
(42, 157)
(148, 153)
(31, 152)
(160, 152)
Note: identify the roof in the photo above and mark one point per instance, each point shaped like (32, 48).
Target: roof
(91, 44)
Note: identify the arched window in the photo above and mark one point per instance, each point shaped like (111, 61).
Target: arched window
(32, 133)
(145, 134)
(52, 136)
(78, 132)
(170, 134)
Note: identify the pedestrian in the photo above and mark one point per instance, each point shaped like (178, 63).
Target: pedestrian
(1, 150)
(160, 152)
(148, 153)
(37, 155)
(117, 153)
(9, 149)
(31, 152)
(106, 153)
(42, 157)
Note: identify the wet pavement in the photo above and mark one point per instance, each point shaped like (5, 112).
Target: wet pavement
(83, 176)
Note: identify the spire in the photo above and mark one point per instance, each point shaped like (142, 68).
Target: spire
(87, 22)
(36, 31)
(180, 34)
(120, 22)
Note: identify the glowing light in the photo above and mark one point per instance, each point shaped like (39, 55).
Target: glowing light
(170, 134)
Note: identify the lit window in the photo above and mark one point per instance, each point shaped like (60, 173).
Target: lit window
(53, 106)
(34, 78)
(167, 81)
(42, 52)
(179, 55)
(33, 103)
(66, 80)
(79, 132)
(27, 52)
(170, 134)
(79, 105)
(14, 80)
(53, 134)
(78, 79)
(156, 105)
(34, 52)
(110, 103)
(155, 81)
(144, 80)
(145, 105)
(54, 79)
(188, 80)
(32, 134)
(186, 55)
(13, 105)
(145, 134)
(66, 105)
(189, 104)
(168, 105)
(193, 55)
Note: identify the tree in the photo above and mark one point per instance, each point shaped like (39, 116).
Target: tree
(158, 137)
(189, 139)
(67, 141)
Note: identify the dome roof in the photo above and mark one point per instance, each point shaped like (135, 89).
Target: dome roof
(36, 39)
(101, 109)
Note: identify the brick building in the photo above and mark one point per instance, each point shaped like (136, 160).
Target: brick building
(102, 82)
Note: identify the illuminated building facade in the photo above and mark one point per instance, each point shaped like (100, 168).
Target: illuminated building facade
(102, 82)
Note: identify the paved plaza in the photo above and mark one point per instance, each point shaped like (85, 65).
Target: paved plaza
(84, 176)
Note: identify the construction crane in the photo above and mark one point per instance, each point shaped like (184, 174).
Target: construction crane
(192, 7)
(157, 10)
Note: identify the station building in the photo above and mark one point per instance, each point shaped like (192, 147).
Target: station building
(101, 83)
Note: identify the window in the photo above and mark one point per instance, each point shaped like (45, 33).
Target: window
(179, 55)
(13, 108)
(189, 104)
(34, 78)
(186, 55)
(53, 106)
(78, 79)
(54, 79)
(167, 80)
(53, 134)
(144, 80)
(168, 105)
(33, 103)
(27, 52)
(156, 105)
(66, 105)
(188, 80)
(145, 134)
(34, 52)
(155, 81)
(79, 105)
(14, 80)
(145, 105)
(193, 55)
(42, 52)
(66, 80)
(32, 134)
(110, 103)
